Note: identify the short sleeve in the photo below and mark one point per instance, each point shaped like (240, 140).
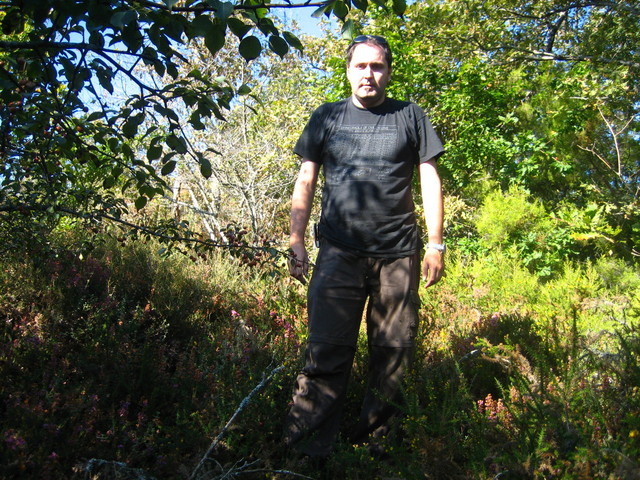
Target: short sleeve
(310, 144)
(429, 144)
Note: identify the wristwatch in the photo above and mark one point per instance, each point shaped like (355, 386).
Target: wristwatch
(438, 246)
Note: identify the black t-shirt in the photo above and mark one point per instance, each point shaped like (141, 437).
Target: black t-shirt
(368, 157)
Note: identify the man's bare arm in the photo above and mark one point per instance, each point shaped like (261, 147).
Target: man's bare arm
(431, 187)
(301, 203)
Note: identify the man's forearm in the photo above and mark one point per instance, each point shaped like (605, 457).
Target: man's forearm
(300, 214)
(302, 201)
(432, 200)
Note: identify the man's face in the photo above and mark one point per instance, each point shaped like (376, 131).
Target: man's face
(368, 74)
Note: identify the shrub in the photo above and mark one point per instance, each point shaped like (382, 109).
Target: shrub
(131, 357)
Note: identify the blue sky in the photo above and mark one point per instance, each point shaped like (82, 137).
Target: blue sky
(307, 24)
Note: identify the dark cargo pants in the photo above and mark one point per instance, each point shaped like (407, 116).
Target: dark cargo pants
(342, 283)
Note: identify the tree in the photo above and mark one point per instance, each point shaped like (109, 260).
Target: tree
(69, 145)
(254, 168)
(535, 94)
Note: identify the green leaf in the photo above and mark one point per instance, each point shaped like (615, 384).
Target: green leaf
(132, 36)
(361, 4)
(154, 152)
(168, 167)
(267, 27)
(167, 158)
(195, 121)
(148, 191)
(318, 12)
(126, 150)
(244, 90)
(216, 112)
(121, 19)
(200, 26)
(130, 127)
(175, 27)
(140, 202)
(104, 78)
(196, 73)
(399, 7)
(348, 30)
(238, 27)
(159, 39)
(224, 10)
(205, 167)
(278, 45)
(114, 144)
(293, 41)
(150, 56)
(109, 182)
(341, 10)
(93, 116)
(250, 48)
(215, 38)
(172, 69)
(159, 68)
(166, 112)
(170, 3)
(96, 38)
(188, 97)
(176, 144)
(261, 12)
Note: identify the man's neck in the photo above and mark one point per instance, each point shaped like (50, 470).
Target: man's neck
(366, 106)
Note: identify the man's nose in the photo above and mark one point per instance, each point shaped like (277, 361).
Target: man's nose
(368, 71)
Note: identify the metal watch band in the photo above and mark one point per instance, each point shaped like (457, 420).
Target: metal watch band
(438, 246)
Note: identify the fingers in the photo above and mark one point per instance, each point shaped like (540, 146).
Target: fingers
(431, 277)
(299, 269)
(432, 268)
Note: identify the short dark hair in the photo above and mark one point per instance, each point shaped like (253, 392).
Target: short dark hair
(376, 40)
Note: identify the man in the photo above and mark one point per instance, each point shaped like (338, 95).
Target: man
(369, 146)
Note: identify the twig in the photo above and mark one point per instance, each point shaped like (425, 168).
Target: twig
(242, 406)
(280, 472)
(117, 467)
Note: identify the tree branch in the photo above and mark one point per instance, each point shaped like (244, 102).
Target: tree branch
(201, 7)
(551, 37)
(539, 55)
(242, 406)
(24, 209)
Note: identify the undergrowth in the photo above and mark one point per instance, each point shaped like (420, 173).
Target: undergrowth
(121, 363)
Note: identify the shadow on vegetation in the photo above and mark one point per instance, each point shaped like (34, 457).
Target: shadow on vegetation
(123, 364)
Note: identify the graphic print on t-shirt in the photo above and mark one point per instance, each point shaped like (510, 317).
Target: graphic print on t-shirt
(365, 151)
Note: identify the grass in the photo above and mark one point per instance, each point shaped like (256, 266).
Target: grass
(125, 364)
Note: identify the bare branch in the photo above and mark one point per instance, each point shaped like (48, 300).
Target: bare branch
(553, 32)
(242, 406)
(539, 55)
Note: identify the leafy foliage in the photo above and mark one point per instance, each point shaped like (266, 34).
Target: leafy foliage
(523, 97)
(129, 357)
(70, 145)
(114, 348)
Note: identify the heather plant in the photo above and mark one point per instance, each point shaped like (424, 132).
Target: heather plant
(129, 356)
(121, 357)
(519, 378)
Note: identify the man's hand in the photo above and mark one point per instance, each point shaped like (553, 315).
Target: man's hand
(299, 263)
(432, 266)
